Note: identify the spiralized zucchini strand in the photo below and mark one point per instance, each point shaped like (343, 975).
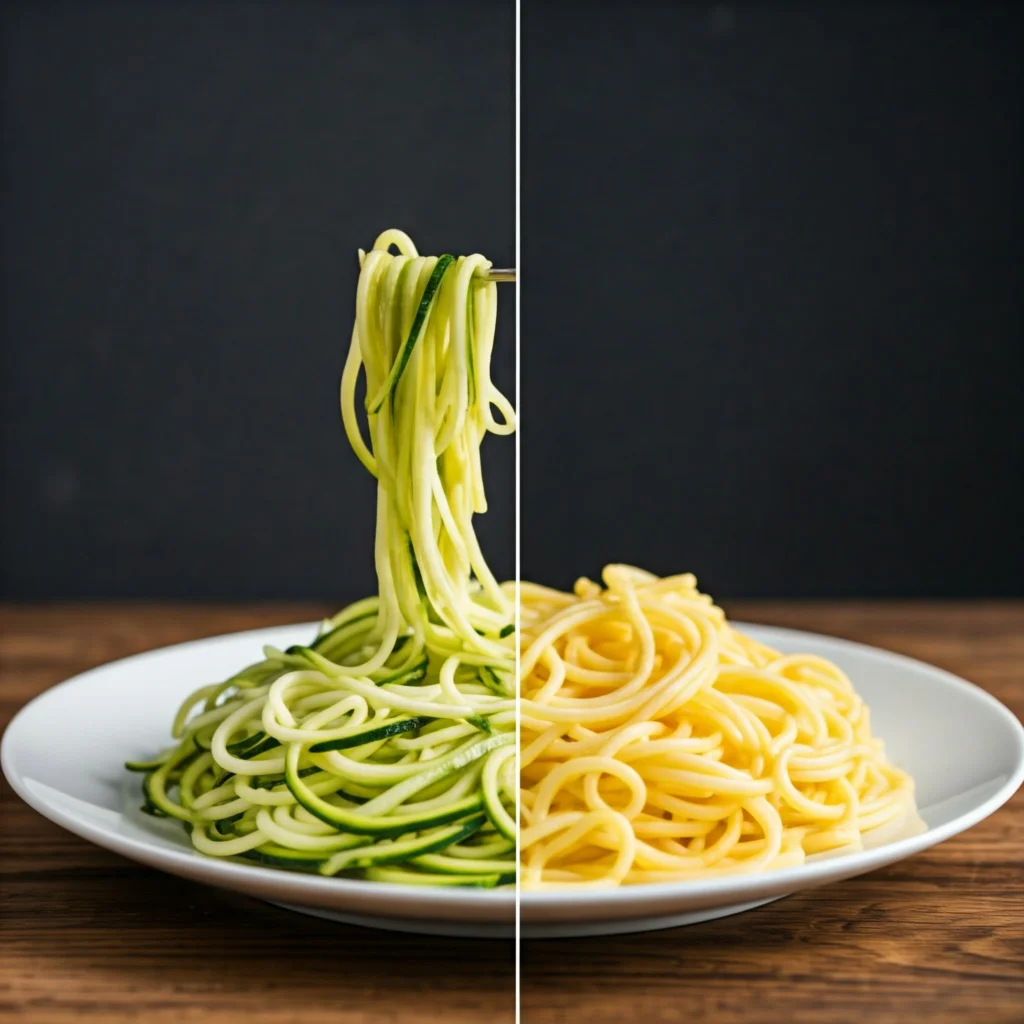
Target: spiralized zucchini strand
(384, 748)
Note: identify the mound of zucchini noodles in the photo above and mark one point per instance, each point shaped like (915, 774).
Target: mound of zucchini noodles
(384, 748)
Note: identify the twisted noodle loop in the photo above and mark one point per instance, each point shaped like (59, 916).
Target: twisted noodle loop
(659, 743)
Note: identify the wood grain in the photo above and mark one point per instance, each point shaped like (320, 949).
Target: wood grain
(86, 935)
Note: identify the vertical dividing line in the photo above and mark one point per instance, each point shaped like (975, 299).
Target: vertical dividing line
(518, 490)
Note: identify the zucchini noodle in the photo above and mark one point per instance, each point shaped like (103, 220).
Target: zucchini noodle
(385, 748)
(660, 744)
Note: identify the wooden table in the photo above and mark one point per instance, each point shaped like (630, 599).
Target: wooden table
(85, 935)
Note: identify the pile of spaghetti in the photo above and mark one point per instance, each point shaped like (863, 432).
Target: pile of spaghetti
(660, 744)
(384, 748)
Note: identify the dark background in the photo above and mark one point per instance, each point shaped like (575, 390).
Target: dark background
(772, 311)
(772, 315)
(184, 190)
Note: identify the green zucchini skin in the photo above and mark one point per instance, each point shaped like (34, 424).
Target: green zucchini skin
(404, 848)
(400, 877)
(384, 827)
(267, 743)
(493, 681)
(224, 826)
(156, 804)
(373, 405)
(145, 766)
(381, 732)
(270, 781)
(324, 641)
(442, 865)
(405, 676)
(281, 857)
(242, 746)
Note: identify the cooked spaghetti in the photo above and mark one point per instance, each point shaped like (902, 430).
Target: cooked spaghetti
(659, 743)
(385, 747)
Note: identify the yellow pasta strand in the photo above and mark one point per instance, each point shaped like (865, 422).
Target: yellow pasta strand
(660, 744)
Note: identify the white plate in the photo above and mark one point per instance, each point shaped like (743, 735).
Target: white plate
(64, 755)
(963, 748)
